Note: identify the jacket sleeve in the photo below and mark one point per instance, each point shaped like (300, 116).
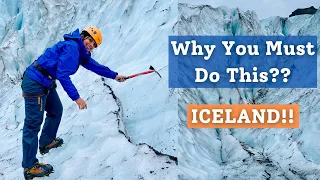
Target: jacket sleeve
(99, 69)
(67, 65)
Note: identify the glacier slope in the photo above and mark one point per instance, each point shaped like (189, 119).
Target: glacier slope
(142, 109)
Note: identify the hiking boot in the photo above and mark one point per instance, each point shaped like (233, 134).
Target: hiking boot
(38, 170)
(57, 142)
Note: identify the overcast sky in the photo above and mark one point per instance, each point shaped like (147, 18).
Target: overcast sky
(263, 8)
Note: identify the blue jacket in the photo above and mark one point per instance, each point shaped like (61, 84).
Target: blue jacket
(63, 60)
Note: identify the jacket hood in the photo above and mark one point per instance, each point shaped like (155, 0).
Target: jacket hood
(75, 36)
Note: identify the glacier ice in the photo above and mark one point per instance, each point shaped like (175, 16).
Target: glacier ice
(129, 129)
(248, 153)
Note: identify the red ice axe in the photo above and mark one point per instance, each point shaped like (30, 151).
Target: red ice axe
(151, 70)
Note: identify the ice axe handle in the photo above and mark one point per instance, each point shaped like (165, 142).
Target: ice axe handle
(152, 70)
(138, 74)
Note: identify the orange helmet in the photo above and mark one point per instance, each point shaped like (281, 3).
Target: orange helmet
(95, 33)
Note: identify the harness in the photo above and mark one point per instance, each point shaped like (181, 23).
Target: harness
(46, 74)
(43, 71)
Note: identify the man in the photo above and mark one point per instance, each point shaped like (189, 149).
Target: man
(38, 89)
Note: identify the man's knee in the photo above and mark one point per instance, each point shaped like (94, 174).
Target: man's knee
(60, 110)
(32, 125)
(56, 111)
